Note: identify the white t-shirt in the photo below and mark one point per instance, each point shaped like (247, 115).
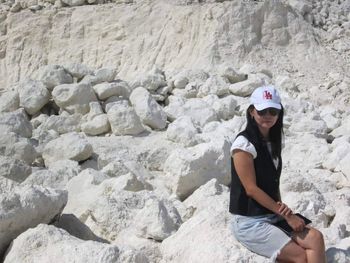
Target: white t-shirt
(242, 143)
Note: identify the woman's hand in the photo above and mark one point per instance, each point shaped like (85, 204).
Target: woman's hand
(295, 222)
(284, 210)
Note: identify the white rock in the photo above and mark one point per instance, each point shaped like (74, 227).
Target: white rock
(123, 120)
(207, 197)
(343, 129)
(344, 165)
(154, 221)
(246, 88)
(151, 81)
(200, 112)
(211, 229)
(190, 168)
(339, 253)
(14, 169)
(33, 95)
(149, 111)
(306, 151)
(115, 169)
(214, 85)
(63, 123)
(106, 74)
(73, 2)
(286, 83)
(231, 74)
(175, 107)
(338, 152)
(17, 147)
(73, 146)
(53, 75)
(183, 131)
(9, 101)
(77, 70)
(225, 107)
(109, 89)
(57, 176)
(74, 98)
(180, 81)
(98, 125)
(7, 185)
(44, 243)
(27, 207)
(16, 122)
(130, 182)
(308, 124)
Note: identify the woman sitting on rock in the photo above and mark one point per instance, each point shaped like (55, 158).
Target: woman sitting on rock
(255, 200)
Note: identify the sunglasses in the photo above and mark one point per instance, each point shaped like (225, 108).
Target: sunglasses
(271, 111)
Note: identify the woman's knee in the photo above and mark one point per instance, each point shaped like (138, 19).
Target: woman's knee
(316, 237)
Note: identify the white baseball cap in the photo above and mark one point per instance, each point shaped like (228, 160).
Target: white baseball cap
(265, 97)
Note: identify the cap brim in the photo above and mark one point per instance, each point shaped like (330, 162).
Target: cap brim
(266, 105)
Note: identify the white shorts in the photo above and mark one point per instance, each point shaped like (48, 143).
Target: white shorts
(259, 235)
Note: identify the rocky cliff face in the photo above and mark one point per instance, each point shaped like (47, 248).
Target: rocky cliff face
(133, 36)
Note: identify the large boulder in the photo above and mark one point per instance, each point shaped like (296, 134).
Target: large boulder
(33, 95)
(9, 101)
(27, 207)
(189, 168)
(109, 89)
(183, 131)
(206, 236)
(14, 169)
(77, 70)
(245, 88)
(53, 75)
(45, 243)
(124, 120)
(13, 145)
(147, 108)
(216, 85)
(16, 122)
(63, 123)
(57, 176)
(96, 121)
(73, 146)
(74, 98)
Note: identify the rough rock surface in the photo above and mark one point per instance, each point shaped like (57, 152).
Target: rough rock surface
(27, 207)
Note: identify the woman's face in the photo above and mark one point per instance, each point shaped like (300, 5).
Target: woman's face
(265, 121)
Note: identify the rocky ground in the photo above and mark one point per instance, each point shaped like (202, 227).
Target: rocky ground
(116, 129)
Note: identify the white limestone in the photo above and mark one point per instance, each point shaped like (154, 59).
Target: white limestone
(63, 123)
(9, 101)
(44, 243)
(214, 85)
(72, 146)
(17, 147)
(33, 95)
(124, 120)
(246, 87)
(17, 122)
(74, 98)
(188, 169)
(14, 169)
(53, 75)
(109, 89)
(27, 207)
(183, 131)
(147, 108)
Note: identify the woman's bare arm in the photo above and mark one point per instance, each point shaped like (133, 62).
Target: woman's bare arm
(244, 165)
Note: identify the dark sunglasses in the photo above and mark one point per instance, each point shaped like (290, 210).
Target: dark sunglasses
(271, 111)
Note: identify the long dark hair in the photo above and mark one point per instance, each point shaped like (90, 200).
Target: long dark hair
(276, 132)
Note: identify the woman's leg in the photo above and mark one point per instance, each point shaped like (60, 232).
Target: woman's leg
(312, 241)
(292, 253)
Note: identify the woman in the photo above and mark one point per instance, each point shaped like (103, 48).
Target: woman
(255, 200)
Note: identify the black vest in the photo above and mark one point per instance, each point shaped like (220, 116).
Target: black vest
(267, 179)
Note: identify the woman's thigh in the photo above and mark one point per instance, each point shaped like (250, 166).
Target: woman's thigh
(292, 252)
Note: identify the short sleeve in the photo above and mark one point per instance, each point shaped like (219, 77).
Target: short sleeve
(242, 143)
